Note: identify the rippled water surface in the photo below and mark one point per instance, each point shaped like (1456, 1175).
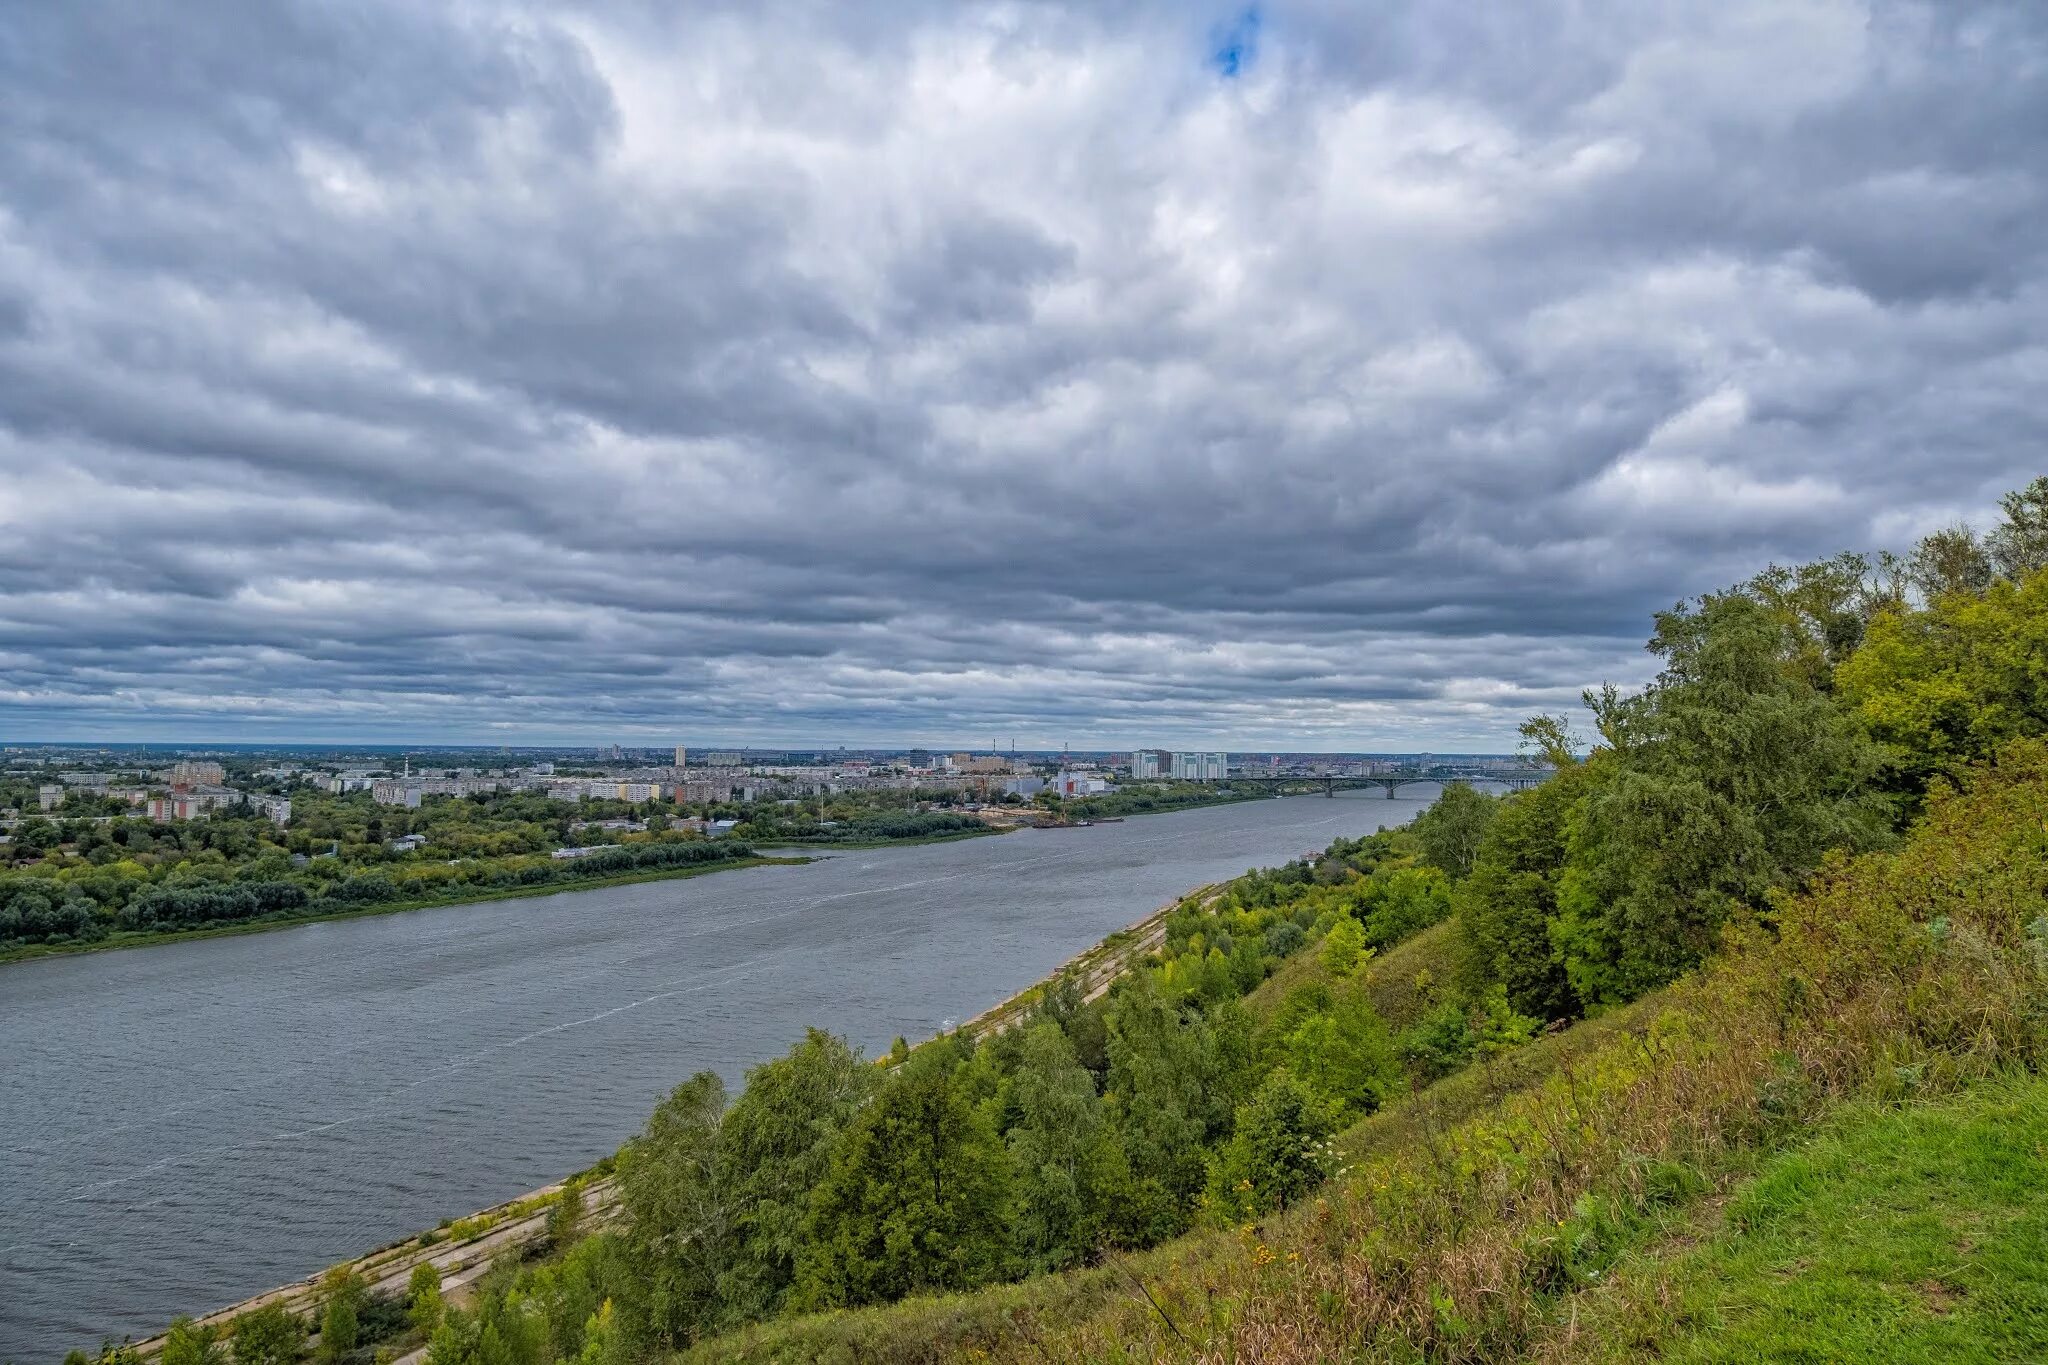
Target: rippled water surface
(182, 1126)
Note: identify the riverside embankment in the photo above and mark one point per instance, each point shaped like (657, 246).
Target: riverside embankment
(190, 1125)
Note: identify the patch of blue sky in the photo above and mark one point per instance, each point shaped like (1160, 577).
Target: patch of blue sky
(1236, 45)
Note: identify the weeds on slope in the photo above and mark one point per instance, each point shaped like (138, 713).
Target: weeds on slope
(1907, 972)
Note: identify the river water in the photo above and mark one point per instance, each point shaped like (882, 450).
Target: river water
(185, 1125)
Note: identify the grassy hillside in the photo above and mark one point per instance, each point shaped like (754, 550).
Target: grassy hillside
(1477, 1218)
(1899, 1235)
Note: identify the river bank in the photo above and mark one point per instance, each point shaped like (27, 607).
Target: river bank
(193, 1125)
(30, 951)
(462, 1250)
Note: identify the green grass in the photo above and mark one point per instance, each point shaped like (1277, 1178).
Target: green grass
(1483, 1084)
(25, 951)
(1894, 1237)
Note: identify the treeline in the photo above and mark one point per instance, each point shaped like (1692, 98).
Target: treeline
(877, 825)
(1797, 716)
(38, 910)
(1146, 799)
(76, 881)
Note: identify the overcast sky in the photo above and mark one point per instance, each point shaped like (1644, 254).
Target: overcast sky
(1314, 375)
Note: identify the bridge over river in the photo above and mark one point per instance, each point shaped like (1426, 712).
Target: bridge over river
(1390, 782)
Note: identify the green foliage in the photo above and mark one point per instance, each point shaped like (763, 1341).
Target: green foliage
(776, 1147)
(1344, 1054)
(1451, 830)
(1343, 947)
(1175, 1077)
(1456, 1031)
(424, 1305)
(1396, 903)
(342, 1295)
(916, 1197)
(565, 1219)
(1732, 777)
(188, 1343)
(1072, 1177)
(680, 1215)
(1278, 1151)
(269, 1335)
(1948, 684)
(1506, 907)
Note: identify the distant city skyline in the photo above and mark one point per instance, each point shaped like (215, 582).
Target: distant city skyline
(705, 750)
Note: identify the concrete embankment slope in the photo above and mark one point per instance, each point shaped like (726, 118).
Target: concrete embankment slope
(387, 1271)
(1095, 967)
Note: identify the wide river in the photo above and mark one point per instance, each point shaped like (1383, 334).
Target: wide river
(185, 1125)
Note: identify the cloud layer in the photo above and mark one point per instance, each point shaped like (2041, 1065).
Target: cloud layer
(1316, 375)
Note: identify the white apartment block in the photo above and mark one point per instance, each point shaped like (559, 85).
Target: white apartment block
(1200, 767)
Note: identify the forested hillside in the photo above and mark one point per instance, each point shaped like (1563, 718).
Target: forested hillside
(1420, 1097)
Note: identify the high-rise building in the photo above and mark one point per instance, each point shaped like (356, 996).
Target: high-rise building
(196, 774)
(1149, 763)
(1200, 767)
(681, 757)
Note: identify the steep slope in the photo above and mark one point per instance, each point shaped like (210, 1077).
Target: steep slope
(1897, 1236)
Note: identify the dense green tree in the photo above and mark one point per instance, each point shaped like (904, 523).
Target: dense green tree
(917, 1197)
(1155, 1070)
(1819, 611)
(423, 1303)
(679, 1212)
(188, 1343)
(1733, 777)
(1950, 683)
(1399, 902)
(1505, 908)
(269, 1335)
(1065, 1002)
(1071, 1174)
(342, 1294)
(1451, 829)
(1278, 1152)
(1343, 947)
(1345, 1056)
(777, 1142)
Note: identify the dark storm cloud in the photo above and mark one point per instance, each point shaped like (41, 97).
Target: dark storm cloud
(819, 372)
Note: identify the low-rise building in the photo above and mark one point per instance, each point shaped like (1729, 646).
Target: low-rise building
(276, 809)
(564, 854)
(1078, 784)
